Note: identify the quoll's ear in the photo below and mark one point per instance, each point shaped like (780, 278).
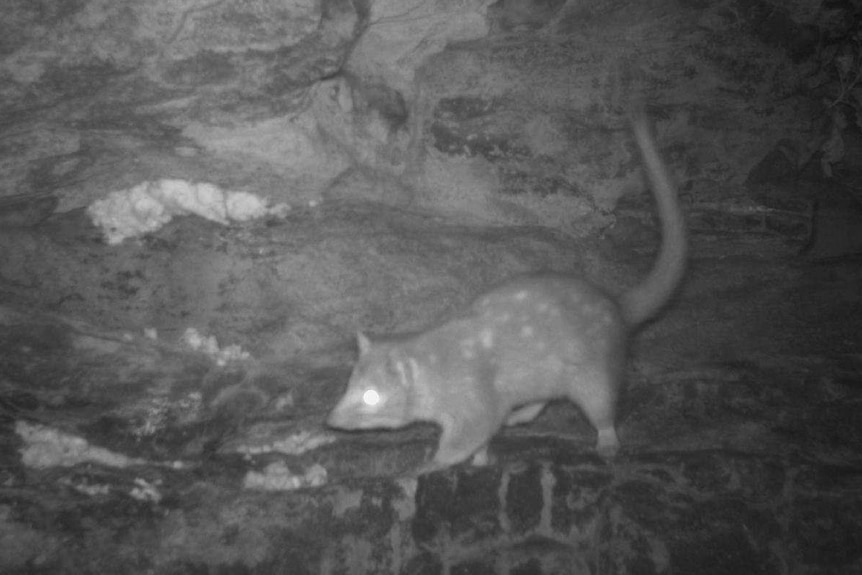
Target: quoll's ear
(363, 342)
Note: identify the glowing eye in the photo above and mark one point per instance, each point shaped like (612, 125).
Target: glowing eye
(371, 397)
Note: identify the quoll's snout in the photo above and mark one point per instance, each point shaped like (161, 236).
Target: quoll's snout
(352, 411)
(332, 419)
(337, 418)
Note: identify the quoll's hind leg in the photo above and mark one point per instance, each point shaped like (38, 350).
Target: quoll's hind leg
(597, 398)
(525, 413)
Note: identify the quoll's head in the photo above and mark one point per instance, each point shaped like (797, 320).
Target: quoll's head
(377, 392)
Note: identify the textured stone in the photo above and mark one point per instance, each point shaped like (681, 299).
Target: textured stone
(404, 139)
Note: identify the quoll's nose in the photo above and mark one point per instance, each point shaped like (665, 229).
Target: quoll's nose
(338, 417)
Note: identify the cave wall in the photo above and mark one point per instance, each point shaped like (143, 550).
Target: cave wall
(512, 111)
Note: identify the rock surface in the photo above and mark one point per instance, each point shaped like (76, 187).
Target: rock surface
(162, 399)
(127, 453)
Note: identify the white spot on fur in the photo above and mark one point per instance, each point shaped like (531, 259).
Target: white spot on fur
(414, 368)
(521, 295)
(468, 348)
(486, 336)
(527, 331)
(407, 374)
(503, 318)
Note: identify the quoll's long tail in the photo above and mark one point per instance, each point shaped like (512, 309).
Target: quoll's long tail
(646, 299)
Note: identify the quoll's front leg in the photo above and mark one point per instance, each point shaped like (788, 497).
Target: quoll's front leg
(459, 440)
(607, 443)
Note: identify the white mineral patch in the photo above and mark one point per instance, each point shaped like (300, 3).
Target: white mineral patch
(145, 491)
(47, 447)
(87, 488)
(209, 346)
(295, 444)
(150, 205)
(277, 477)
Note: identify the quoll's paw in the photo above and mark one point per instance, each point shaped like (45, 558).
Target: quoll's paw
(479, 459)
(426, 468)
(607, 445)
(482, 458)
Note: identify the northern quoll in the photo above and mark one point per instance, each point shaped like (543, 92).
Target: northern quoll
(532, 339)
